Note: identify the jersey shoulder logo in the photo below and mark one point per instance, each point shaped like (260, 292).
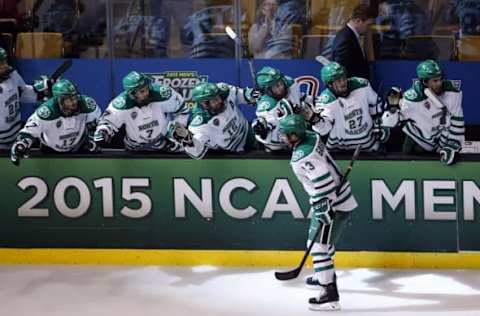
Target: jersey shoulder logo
(165, 92)
(44, 112)
(197, 120)
(411, 94)
(118, 102)
(297, 155)
(90, 103)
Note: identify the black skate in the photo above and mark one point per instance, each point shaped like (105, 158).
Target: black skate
(314, 284)
(328, 300)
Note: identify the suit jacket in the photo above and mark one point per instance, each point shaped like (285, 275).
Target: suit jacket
(348, 53)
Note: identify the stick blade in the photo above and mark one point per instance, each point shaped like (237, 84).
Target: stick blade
(231, 33)
(287, 275)
(322, 60)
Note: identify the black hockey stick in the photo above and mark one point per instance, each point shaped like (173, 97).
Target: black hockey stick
(231, 33)
(292, 274)
(61, 69)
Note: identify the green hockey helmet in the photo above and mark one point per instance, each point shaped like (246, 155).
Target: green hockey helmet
(205, 91)
(135, 81)
(428, 69)
(63, 88)
(331, 72)
(293, 124)
(3, 54)
(267, 76)
(67, 96)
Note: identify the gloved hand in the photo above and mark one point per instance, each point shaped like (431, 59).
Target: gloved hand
(447, 155)
(43, 87)
(382, 133)
(20, 150)
(260, 127)
(180, 133)
(392, 99)
(253, 95)
(322, 211)
(101, 136)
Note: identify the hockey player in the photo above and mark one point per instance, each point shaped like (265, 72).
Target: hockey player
(13, 90)
(274, 88)
(347, 111)
(330, 205)
(430, 125)
(65, 123)
(217, 122)
(144, 109)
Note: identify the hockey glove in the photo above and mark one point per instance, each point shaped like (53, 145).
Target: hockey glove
(261, 127)
(381, 133)
(180, 133)
(392, 100)
(101, 136)
(43, 87)
(447, 155)
(323, 212)
(20, 150)
(252, 95)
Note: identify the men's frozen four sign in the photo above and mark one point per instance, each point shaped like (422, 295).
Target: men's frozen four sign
(182, 81)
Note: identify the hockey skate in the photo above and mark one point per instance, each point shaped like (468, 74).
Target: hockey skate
(328, 299)
(312, 283)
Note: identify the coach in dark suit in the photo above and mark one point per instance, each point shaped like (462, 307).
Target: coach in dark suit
(347, 50)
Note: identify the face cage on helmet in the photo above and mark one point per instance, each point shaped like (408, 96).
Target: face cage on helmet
(131, 93)
(206, 105)
(61, 100)
(268, 90)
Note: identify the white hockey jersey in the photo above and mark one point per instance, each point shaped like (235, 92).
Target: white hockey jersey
(430, 126)
(228, 130)
(272, 110)
(60, 133)
(319, 175)
(349, 121)
(145, 126)
(12, 92)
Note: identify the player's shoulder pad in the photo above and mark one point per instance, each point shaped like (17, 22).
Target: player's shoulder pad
(450, 86)
(199, 116)
(48, 110)
(415, 93)
(160, 93)
(288, 81)
(122, 102)
(87, 104)
(355, 83)
(306, 147)
(326, 97)
(266, 103)
(224, 89)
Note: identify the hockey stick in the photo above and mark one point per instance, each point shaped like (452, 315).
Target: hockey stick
(433, 97)
(231, 33)
(322, 60)
(61, 69)
(292, 274)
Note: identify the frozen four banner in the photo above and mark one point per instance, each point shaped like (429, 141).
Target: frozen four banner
(253, 204)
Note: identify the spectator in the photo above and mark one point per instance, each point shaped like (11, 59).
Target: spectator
(467, 12)
(402, 18)
(347, 48)
(272, 34)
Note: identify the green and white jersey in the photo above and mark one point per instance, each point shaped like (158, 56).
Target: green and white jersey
(349, 121)
(227, 130)
(319, 175)
(428, 125)
(145, 126)
(62, 134)
(272, 110)
(13, 91)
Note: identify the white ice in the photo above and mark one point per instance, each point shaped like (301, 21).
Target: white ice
(209, 291)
